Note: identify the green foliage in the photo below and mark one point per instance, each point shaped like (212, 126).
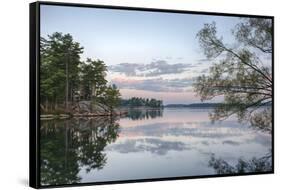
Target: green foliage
(111, 97)
(93, 78)
(65, 79)
(238, 73)
(60, 57)
(138, 102)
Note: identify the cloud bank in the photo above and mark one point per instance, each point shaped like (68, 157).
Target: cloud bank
(155, 85)
(155, 68)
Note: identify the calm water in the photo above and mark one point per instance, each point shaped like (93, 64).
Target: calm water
(146, 144)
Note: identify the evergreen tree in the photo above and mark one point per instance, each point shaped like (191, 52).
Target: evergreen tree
(60, 59)
(111, 97)
(93, 79)
(63, 76)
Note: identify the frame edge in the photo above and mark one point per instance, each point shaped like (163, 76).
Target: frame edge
(33, 61)
(34, 34)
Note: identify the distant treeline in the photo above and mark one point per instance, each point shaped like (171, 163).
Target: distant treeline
(207, 105)
(197, 105)
(139, 102)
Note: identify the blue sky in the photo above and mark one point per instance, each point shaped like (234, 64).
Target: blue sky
(148, 53)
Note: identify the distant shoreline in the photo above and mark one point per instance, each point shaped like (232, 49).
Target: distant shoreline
(197, 105)
(194, 105)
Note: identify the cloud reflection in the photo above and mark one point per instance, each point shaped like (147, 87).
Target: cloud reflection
(152, 145)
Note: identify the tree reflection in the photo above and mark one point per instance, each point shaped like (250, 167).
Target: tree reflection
(68, 145)
(140, 114)
(262, 164)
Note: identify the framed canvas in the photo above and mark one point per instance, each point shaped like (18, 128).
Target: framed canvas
(126, 94)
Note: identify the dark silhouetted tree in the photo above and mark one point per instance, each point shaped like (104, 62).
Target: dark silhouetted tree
(241, 72)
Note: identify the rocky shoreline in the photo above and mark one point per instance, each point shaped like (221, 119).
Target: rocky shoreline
(67, 116)
(85, 109)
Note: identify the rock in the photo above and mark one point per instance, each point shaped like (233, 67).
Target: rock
(84, 106)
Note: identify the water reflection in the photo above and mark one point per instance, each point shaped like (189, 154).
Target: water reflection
(149, 144)
(205, 137)
(68, 145)
(155, 146)
(141, 114)
(262, 164)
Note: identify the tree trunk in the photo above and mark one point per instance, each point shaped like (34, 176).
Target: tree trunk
(67, 82)
(56, 104)
(47, 105)
(93, 92)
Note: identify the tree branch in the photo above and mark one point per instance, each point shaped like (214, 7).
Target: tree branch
(244, 108)
(237, 56)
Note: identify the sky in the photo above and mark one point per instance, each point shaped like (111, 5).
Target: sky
(148, 54)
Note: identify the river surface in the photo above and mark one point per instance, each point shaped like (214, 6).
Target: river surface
(146, 144)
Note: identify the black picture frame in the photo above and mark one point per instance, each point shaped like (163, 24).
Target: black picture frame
(34, 90)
